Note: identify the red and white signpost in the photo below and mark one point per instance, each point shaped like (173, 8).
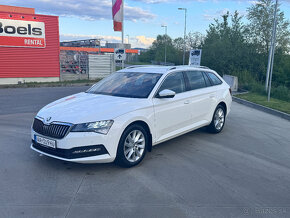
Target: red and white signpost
(118, 17)
(20, 33)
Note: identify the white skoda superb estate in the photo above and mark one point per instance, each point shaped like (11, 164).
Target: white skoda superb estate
(121, 117)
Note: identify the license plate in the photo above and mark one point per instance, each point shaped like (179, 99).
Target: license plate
(45, 142)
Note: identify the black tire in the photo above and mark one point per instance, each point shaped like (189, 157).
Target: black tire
(121, 158)
(212, 127)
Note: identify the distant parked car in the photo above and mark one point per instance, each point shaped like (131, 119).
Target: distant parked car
(124, 115)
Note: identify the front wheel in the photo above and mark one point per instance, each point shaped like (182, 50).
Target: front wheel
(132, 146)
(218, 120)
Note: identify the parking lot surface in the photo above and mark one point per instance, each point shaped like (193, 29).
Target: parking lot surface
(242, 172)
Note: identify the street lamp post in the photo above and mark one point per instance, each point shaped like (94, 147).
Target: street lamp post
(123, 46)
(128, 39)
(184, 47)
(165, 44)
(98, 42)
(272, 53)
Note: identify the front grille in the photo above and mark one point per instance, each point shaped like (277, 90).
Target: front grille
(57, 131)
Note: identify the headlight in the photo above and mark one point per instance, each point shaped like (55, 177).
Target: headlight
(102, 127)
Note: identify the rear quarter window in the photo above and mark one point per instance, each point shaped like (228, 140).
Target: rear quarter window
(214, 79)
(206, 78)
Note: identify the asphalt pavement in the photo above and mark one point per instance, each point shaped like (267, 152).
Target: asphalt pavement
(242, 172)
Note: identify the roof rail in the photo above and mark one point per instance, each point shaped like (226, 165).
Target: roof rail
(168, 67)
(175, 67)
(203, 67)
(172, 68)
(135, 66)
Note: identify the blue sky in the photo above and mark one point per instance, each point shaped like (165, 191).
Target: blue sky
(81, 19)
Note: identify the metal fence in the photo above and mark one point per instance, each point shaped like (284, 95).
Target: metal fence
(100, 66)
(77, 65)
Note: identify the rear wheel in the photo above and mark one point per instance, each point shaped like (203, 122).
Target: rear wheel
(218, 120)
(132, 146)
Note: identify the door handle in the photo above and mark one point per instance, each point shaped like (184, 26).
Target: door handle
(186, 102)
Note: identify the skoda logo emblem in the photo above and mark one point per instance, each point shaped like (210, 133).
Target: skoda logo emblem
(48, 119)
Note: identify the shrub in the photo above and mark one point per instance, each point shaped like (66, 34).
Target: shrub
(281, 92)
(248, 82)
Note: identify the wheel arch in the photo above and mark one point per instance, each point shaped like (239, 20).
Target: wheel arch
(222, 103)
(147, 128)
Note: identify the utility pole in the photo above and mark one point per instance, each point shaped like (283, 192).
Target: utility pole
(98, 42)
(271, 50)
(123, 64)
(128, 39)
(273, 45)
(165, 43)
(184, 46)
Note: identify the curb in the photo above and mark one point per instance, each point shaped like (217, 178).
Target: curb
(262, 108)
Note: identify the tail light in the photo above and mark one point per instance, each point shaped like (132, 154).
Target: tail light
(230, 91)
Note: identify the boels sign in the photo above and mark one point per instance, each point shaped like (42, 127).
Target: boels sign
(20, 33)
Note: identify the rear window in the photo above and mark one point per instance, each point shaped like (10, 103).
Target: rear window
(214, 79)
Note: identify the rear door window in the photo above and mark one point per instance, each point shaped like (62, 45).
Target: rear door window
(196, 80)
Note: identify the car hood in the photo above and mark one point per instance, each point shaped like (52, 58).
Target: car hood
(85, 107)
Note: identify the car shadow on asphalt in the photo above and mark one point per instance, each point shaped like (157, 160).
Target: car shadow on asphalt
(158, 151)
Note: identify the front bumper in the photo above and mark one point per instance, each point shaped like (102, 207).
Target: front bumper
(105, 158)
(73, 153)
(81, 147)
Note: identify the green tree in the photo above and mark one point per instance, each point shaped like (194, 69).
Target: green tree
(156, 51)
(261, 17)
(194, 40)
(224, 47)
(178, 43)
(259, 32)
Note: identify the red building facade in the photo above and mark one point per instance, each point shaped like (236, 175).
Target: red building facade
(29, 46)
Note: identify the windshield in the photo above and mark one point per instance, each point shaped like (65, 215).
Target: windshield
(127, 84)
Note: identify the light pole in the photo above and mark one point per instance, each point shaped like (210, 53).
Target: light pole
(123, 46)
(165, 26)
(271, 54)
(184, 48)
(98, 42)
(128, 39)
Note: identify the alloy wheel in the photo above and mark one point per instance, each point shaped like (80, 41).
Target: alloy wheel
(219, 119)
(134, 145)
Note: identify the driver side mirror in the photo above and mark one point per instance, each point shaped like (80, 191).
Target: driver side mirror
(166, 93)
